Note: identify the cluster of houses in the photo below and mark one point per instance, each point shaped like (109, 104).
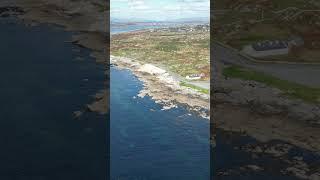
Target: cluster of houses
(272, 48)
(187, 28)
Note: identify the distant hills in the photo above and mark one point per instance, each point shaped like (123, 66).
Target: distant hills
(180, 20)
(198, 19)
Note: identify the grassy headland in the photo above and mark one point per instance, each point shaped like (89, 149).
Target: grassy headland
(181, 52)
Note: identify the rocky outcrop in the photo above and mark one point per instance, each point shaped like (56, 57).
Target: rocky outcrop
(263, 112)
(88, 18)
(264, 100)
(69, 13)
(7, 11)
(163, 87)
(100, 104)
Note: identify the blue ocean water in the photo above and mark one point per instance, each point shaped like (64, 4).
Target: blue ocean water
(147, 143)
(127, 28)
(42, 84)
(150, 144)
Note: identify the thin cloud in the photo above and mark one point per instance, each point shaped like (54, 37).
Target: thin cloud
(138, 5)
(161, 9)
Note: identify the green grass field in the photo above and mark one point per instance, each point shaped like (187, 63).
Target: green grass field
(199, 89)
(290, 89)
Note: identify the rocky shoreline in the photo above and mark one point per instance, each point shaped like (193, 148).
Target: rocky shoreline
(255, 110)
(275, 158)
(238, 106)
(89, 23)
(265, 113)
(163, 88)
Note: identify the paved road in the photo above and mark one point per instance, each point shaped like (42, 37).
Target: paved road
(202, 84)
(302, 74)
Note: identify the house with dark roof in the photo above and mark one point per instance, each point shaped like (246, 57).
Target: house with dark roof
(272, 48)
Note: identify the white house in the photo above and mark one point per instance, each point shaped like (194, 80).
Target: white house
(266, 48)
(195, 76)
(271, 48)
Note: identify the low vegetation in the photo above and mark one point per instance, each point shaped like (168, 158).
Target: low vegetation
(290, 89)
(250, 21)
(180, 52)
(199, 89)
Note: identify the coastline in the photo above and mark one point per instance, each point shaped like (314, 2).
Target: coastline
(264, 112)
(164, 88)
(53, 84)
(283, 128)
(87, 24)
(230, 112)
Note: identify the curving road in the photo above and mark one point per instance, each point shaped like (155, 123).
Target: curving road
(303, 74)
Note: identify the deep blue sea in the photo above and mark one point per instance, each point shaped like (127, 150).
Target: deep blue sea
(42, 84)
(147, 143)
(150, 144)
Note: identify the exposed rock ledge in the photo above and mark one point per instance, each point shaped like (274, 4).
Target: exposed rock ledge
(90, 23)
(264, 113)
(164, 88)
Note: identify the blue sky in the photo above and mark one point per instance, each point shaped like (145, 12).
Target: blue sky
(159, 9)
